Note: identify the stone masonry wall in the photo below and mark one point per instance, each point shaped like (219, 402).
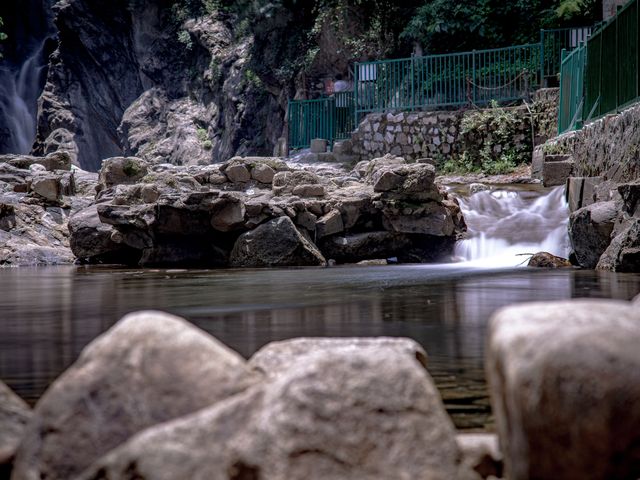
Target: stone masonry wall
(438, 134)
(608, 147)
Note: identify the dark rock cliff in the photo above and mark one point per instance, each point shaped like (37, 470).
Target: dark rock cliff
(129, 77)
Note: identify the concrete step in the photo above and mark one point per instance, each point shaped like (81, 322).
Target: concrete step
(556, 172)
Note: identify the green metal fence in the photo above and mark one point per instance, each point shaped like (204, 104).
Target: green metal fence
(609, 80)
(436, 81)
(571, 88)
(554, 41)
(331, 118)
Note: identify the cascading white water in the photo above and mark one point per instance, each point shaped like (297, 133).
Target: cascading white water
(19, 90)
(505, 224)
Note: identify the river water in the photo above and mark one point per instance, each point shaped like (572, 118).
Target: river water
(47, 315)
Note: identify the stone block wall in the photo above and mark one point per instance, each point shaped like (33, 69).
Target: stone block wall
(608, 147)
(439, 134)
(410, 135)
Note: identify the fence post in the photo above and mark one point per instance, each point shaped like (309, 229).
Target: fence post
(542, 84)
(473, 75)
(356, 71)
(412, 83)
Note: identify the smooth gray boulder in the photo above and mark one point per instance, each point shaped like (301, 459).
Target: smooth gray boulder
(346, 414)
(276, 243)
(149, 368)
(590, 231)
(278, 357)
(14, 415)
(564, 380)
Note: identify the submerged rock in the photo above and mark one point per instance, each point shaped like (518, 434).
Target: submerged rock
(564, 380)
(14, 416)
(329, 415)
(149, 368)
(547, 260)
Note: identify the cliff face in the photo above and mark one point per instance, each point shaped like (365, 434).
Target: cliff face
(122, 81)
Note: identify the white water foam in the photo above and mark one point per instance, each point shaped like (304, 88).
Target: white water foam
(505, 225)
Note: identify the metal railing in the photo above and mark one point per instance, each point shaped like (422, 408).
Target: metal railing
(571, 89)
(331, 118)
(430, 82)
(609, 79)
(554, 41)
(447, 80)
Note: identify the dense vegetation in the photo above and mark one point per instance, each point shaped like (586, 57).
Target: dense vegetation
(291, 33)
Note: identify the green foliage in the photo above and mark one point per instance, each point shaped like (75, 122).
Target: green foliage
(214, 72)
(495, 141)
(184, 38)
(207, 145)
(202, 134)
(252, 79)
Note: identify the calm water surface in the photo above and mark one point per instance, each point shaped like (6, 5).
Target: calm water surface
(47, 315)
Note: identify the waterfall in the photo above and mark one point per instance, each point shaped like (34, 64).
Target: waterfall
(20, 87)
(503, 224)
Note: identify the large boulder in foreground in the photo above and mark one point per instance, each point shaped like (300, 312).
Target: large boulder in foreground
(276, 243)
(149, 368)
(565, 388)
(338, 414)
(14, 415)
(277, 357)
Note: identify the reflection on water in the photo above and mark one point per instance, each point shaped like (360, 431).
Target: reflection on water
(48, 315)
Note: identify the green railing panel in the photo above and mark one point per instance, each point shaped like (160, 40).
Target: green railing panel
(555, 40)
(609, 79)
(447, 80)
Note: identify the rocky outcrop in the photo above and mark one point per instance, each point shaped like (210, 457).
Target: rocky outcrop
(132, 90)
(563, 377)
(149, 368)
(14, 415)
(37, 196)
(329, 415)
(606, 234)
(590, 231)
(262, 212)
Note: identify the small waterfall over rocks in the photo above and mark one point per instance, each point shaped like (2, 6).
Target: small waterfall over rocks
(20, 87)
(503, 224)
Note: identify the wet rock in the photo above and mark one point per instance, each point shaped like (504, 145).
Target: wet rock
(14, 416)
(121, 170)
(51, 162)
(562, 378)
(279, 357)
(318, 145)
(477, 187)
(430, 218)
(547, 260)
(329, 224)
(275, 243)
(309, 191)
(149, 368)
(285, 182)
(237, 173)
(361, 246)
(327, 416)
(623, 253)
(590, 231)
(263, 173)
(91, 240)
